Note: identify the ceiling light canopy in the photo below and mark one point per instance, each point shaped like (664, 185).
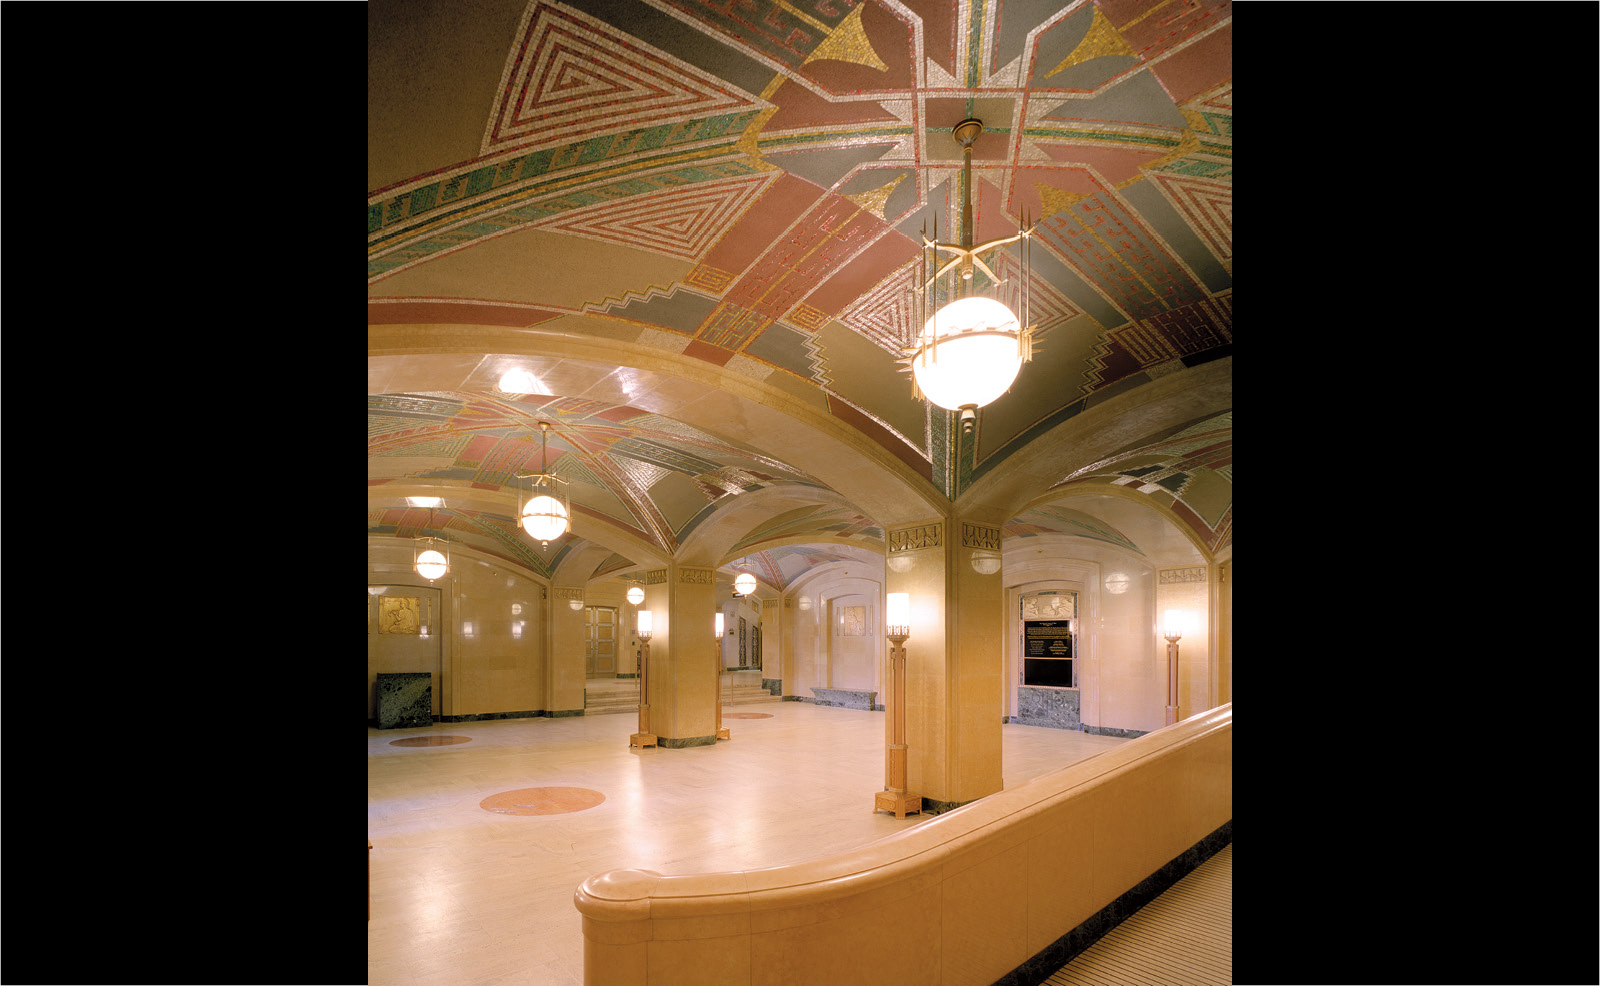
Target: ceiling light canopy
(518, 382)
(970, 350)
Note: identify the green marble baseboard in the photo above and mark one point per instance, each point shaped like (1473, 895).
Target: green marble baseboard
(683, 742)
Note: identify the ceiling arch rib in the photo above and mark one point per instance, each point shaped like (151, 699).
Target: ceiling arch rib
(690, 219)
(813, 442)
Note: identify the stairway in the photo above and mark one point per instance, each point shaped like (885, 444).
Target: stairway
(744, 688)
(603, 696)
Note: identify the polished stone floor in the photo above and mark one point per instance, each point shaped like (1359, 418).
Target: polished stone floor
(481, 831)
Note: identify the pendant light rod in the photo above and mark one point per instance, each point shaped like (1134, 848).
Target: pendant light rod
(545, 515)
(968, 353)
(964, 255)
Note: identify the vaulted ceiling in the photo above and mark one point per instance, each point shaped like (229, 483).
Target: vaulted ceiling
(695, 224)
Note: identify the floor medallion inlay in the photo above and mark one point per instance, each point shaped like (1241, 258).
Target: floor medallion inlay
(542, 801)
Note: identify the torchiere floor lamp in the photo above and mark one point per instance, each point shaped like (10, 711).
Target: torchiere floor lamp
(644, 737)
(894, 797)
(722, 731)
(1174, 632)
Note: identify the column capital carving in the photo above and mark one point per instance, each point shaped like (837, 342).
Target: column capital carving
(1176, 576)
(975, 535)
(569, 592)
(915, 536)
(657, 577)
(696, 576)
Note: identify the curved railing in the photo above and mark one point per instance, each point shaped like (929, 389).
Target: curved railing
(963, 898)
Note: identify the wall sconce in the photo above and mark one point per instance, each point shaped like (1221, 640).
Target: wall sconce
(897, 627)
(646, 629)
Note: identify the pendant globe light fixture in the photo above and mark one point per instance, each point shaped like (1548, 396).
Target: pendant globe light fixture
(430, 555)
(545, 512)
(970, 350)
(744, 583)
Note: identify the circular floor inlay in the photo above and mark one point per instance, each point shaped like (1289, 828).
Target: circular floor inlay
(747, 715)
(430, 740)
(542, 801)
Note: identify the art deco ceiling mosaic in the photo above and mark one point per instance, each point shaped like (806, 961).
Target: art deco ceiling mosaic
(731, 196)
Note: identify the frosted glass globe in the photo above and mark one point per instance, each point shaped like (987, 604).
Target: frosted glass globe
(968, 368)
(544, 518)
(431, 564)
(745, 583)
(636, 595)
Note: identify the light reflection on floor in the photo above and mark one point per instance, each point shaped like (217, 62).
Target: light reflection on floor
(463, 896)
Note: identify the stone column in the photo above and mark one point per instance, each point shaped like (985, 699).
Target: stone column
(564, 672)
(954, 655)
(682, 682)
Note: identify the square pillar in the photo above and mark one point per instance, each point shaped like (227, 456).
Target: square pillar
(954, 656)
(682, 678)
(564, 671)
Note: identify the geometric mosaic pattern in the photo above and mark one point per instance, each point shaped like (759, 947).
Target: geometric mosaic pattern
(574, 76)
(778, 164)
(639, 472)
(1190, 473)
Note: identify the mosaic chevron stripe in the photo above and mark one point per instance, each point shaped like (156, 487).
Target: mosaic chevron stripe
(1207, 206)
(678, 222)
(575, 76)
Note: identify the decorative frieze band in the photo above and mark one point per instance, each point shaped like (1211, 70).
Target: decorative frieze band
(657, 577)
(569, 592)
(980, 536)
(1175, 576)
(916, 536)
(697, 576)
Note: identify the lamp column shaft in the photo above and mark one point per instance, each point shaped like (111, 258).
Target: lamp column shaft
(896, 780)
(894, 798)
(644, 737)
(722, 731)
(1172, 682)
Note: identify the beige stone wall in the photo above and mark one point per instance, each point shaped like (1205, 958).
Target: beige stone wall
(493, 643)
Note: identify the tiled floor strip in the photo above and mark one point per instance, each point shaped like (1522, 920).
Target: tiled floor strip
(1182, 938)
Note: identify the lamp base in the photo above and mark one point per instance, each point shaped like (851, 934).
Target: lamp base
(899, 802)
(642, 740)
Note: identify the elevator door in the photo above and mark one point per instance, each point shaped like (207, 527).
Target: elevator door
(600, 650)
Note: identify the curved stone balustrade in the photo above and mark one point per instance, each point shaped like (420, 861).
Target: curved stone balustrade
(963, 898)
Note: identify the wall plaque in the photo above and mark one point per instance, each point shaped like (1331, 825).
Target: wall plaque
(399, 614)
